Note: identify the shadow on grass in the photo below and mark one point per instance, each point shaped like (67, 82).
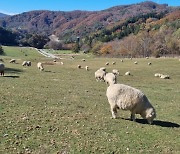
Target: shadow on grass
(11, 76)
(13, 70)
(158, 123)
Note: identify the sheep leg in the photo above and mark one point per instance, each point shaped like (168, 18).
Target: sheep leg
(114, 111)
(132, 116)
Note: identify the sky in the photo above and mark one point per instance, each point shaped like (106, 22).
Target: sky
(12, 7)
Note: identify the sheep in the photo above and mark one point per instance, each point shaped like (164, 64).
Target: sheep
(28, 63)
(2, 68)
(107, 63)
(87, 68)
(1, 60)
(83, 60)
(115, 72)
(103, 69)
(164, 76)
(99, 75)
(79, 66)
(62, 63)
(124, 97)
(110, 78)
(127, 73)
(135, 62)
(12, 61)
(24, 63)
(122, 60)
(149, 63)
(147, 57)
(40, 66)
(113, 63)
(157, 75)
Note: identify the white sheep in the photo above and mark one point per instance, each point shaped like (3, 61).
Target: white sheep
(164, 76)
(113, 63)
(107, 63)
(149, 63)
(28, 63)
(87, 68)
(115, 72)
(83, 60)
(62, 63)
(12, 61)
(124, 97)
(2, 68)
(147, 57)
(127, 73)
(122, 60)
(99, 75)
(79, 66)
(157, 75)
(110, 78)
(40, 66)
(24, 63)
(103, 69)
(135, 62)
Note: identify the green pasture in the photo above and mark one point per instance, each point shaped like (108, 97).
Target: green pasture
(64, 110)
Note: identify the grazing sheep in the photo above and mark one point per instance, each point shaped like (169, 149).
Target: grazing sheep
(54, 60)
(149, 63)
(83, 60)
(147, 57)
(127, 73)
(113, 63)
(135, 62)
(107, 63)
(79, 66)
(28, 63)
(40, 66)
(87, 68)
(103, 69)
(115, 72)
(157, 75)
(2, 68)
(164, 76)
(110, 78)
(124, 97)
(12, 61)
(62, 63)
(99, 75)
(24, 63)
(122, 60)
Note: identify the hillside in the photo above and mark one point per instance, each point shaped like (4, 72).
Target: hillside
(69, 25)
(3, 15)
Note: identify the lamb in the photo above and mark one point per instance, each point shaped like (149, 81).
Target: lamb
(12, 61)
(87, 68)
(124, 97)
(40, 66)
(135, 62)
(83, 60)
(113, 63)
(115, 72)
(62, 63)
(2, 68)
(99, 75)
(110, 78)
(149, 63)
(122, 60)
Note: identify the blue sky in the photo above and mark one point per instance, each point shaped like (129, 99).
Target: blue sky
(19, 6)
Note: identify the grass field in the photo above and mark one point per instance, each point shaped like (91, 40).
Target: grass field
(64, 110)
